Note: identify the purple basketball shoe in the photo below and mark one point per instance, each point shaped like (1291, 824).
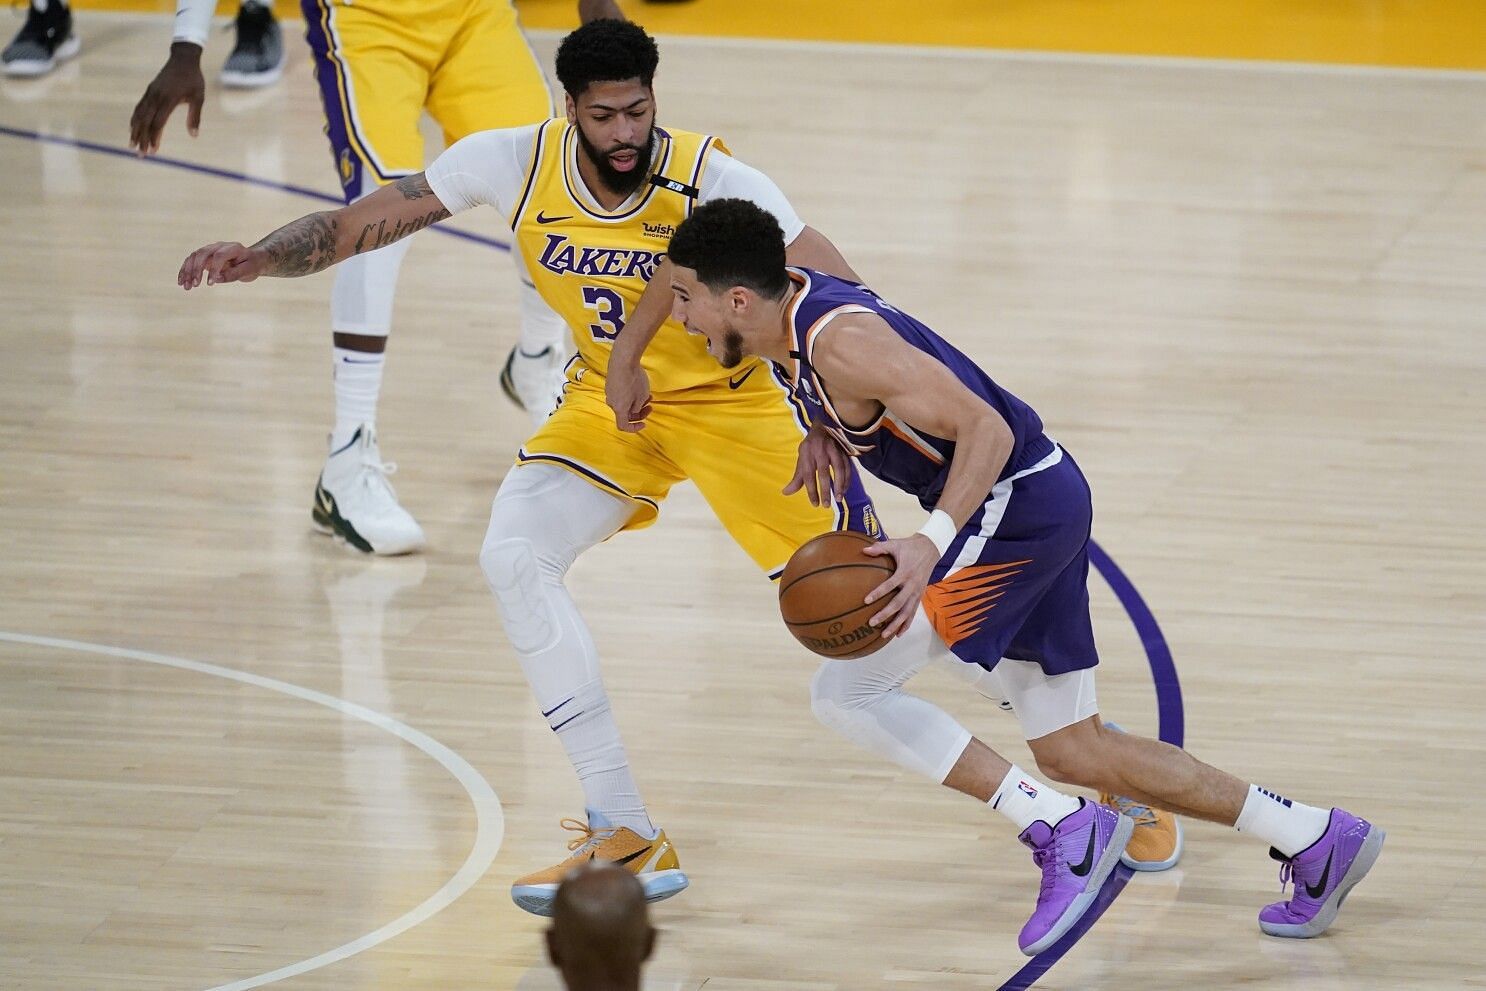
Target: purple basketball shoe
(1076, 856)
(1324, 873)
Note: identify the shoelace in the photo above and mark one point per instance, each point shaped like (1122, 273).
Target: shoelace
(375, 471)
(1142, 814)
(1286, 873)
(590, 836)
(1044, 859)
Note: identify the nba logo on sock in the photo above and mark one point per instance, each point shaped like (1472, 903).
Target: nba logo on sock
(1026, 789)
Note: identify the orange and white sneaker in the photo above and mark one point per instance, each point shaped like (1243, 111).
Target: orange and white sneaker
(653, 862)
(1156, 844)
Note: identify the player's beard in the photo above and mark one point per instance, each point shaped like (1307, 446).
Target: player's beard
(617, 182)
(732, 349)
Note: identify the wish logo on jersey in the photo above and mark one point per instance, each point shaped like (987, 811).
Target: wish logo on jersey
(561, 256)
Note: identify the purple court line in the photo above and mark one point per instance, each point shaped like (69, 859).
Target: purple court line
(1158, 654)
(216, 173)
(1172, 724)
(1172, 731)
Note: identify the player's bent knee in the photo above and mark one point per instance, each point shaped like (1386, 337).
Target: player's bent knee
(841, 698)
(515, 578)
(838, 684)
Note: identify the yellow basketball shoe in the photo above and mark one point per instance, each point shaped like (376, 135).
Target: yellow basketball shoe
(654, 862)
(1156, 844)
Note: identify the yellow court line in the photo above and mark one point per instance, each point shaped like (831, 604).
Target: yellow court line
(1437, 34)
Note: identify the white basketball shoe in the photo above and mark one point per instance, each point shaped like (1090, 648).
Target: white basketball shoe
(356, 504)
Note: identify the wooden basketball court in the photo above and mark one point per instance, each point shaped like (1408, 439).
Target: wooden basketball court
(1248, 298)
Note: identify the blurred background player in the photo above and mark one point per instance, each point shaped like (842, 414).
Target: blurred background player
(380, 64)
(600, 935)
(47, 39)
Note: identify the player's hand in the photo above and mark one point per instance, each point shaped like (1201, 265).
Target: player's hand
(179, 81)
(821, 468)
(590, 10)
(915, 557)
(224, 261)
(627, 391)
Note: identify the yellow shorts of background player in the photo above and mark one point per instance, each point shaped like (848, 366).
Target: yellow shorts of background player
(738, 444)
(381, 63)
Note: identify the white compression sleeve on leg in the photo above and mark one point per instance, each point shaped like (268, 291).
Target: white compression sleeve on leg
(542, 519)
(864, 701)
(541, 328)
(361, 297)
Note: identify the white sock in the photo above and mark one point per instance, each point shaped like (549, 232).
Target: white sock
(358, 382)
(1287, 826)
(1023, 799)
(585, 726)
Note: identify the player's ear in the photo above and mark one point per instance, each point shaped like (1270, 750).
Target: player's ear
(738, 299)
(570, 107)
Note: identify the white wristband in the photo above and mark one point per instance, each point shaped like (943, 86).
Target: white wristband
(940, 528)
(193, 20)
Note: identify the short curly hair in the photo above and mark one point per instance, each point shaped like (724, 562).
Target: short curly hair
(732, 242)
(604, 51)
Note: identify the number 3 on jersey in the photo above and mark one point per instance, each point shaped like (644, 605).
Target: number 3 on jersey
(608, 305)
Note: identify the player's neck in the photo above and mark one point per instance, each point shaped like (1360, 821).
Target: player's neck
(780, 340)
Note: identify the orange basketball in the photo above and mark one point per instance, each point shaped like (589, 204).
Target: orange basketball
(821, 593)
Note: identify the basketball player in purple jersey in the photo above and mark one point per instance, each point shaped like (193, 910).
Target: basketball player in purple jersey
(997, 576)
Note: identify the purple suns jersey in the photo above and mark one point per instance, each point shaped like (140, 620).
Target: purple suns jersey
(887, 447)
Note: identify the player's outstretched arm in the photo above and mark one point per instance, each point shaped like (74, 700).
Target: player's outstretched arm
(314, 243)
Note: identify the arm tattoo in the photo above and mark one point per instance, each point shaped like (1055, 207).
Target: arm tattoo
(413, 187)
(377, 235)
(304, 247)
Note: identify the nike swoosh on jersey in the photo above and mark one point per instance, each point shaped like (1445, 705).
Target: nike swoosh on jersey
(734, 383)
(544, 219)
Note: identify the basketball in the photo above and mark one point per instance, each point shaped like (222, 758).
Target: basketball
(822, 590)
